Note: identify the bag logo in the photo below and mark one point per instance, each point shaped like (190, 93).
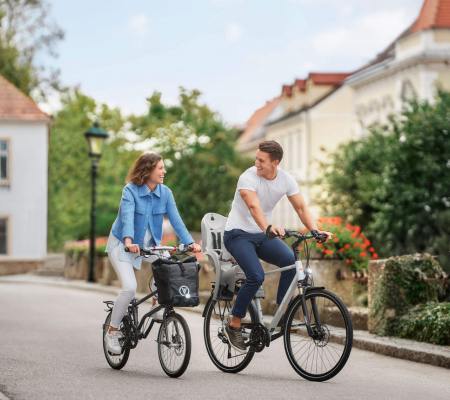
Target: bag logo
(184, 291)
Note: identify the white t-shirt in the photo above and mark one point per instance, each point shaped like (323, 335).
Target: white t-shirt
(269, 193)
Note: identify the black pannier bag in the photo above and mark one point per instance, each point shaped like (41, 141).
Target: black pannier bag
(177, 282)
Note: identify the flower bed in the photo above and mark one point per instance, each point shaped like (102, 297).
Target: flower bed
(348, 244)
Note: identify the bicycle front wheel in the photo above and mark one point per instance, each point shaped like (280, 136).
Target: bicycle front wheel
(320, 351)
(174, 345)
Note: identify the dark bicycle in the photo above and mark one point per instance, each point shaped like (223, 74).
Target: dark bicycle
(174, 338)
(315, 324)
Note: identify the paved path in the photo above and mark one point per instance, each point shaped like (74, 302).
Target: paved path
(50, 348)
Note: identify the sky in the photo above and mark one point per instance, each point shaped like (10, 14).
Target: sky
(238, 53)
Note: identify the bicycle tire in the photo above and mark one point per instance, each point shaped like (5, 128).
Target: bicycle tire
(325, 338)
(115, 361)
(183, 344)
(210, 346)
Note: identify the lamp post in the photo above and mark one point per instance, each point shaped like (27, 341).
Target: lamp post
(95, 137)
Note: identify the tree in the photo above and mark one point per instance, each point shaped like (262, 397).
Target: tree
(69, 169)
(202, 164)
(352, 178)
(26, 32)
(394, 182)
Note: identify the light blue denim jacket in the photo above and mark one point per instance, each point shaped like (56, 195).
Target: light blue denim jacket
(141, 209)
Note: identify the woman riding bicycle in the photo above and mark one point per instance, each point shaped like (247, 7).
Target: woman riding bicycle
(145, 201)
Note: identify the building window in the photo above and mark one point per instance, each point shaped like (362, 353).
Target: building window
(3, 236)
(4, 158)
(408, 92)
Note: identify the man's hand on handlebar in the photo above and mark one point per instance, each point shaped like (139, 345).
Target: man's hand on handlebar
(321, 236)
(275, 231)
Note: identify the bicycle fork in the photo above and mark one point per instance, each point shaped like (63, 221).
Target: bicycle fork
(315, 313)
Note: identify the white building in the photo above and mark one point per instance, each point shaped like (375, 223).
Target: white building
(24, 133)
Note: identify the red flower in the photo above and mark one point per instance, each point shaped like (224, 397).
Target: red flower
(374, 256)
(363, 254)
(372, 250)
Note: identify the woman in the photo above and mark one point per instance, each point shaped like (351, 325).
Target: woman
(145, 201)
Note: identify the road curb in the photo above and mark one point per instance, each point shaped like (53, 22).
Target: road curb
(394, 347)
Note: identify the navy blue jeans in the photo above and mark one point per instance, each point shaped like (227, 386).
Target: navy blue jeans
(247, 249)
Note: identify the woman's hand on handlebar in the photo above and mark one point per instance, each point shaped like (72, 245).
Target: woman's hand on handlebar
(132, 247)
(194, 247)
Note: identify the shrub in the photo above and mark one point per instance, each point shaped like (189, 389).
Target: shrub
(428, 322)
(405, 281)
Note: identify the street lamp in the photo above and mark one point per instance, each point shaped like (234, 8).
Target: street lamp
(95, 137)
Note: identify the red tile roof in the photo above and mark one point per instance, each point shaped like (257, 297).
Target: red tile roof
(300, 84)
(14, 105)
(286, 90)
(319, 78)
(257, 120)
(434, 14)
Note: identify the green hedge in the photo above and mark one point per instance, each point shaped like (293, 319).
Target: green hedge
(428, 322)
(405, 281)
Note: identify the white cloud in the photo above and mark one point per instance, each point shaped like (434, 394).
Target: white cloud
(233, 33)
(364, 37)
(139, 24)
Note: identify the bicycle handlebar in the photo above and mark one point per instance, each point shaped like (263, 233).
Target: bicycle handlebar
(182, 248)
(301, 236)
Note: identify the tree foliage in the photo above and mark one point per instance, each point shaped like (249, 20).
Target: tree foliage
(70, 169)
(202, 164)
(197, 147)
(27, 32)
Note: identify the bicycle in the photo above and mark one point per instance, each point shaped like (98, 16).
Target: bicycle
(174, 338)
(315, 325)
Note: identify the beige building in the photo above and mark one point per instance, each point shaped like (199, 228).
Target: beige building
(314, 115)
(414, 65)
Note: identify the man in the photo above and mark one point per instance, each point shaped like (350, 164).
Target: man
(248, 229)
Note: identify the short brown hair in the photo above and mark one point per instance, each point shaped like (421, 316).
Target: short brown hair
(273, 148)
(142, 168)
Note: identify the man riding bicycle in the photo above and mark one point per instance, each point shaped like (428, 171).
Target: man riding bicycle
(248, 230)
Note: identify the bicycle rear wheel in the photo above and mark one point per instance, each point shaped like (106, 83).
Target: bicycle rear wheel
(174, 345)
(116, 361)
(224, 357)
(320, 354)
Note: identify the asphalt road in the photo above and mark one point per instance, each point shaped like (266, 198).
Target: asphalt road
(51, 348)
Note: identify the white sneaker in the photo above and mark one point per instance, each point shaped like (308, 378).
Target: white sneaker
(112, 342)
(158, 315)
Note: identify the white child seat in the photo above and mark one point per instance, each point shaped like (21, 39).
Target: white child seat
(213, 227)
(227, 271)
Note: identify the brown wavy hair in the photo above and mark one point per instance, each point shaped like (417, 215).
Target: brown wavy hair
(142, 168)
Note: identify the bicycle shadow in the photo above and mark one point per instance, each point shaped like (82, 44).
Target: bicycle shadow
(255, 376)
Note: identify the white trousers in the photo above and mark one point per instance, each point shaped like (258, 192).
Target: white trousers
(125, 272)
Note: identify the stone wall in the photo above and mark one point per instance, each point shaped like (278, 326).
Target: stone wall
(11, 267)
